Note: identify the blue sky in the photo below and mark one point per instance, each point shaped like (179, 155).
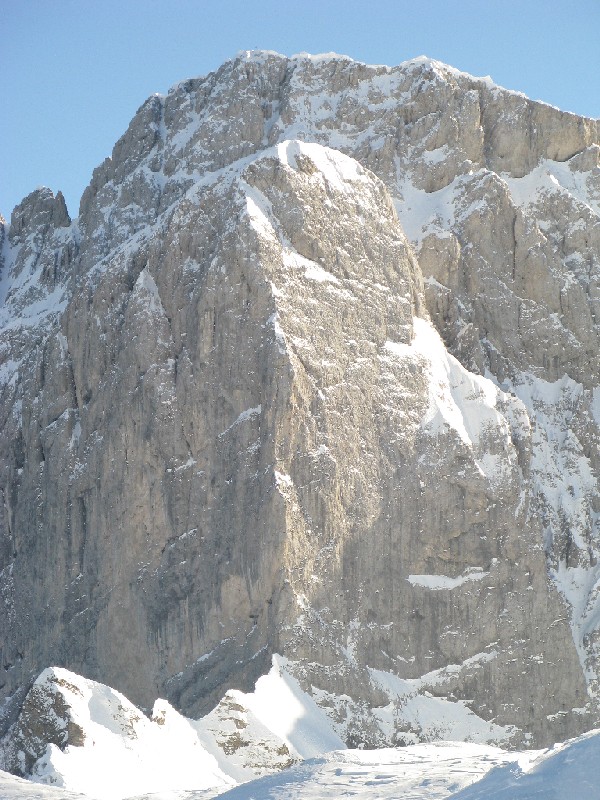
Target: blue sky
(75, 71)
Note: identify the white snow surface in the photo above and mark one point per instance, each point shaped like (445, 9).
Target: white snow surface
(437, 582)
(458, 771)
(124, 752)
(434, 717)
(281, 705)
(553, 177)
(458, 399)
(435, 771)
(339, 170)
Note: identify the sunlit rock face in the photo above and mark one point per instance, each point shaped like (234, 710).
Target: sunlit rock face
(315, 372)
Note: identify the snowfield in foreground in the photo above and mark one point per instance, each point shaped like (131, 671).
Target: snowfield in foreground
(274, 744)
(460, 771)
(435, 771)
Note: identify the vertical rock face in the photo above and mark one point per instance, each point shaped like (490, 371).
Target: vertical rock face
(243, 414)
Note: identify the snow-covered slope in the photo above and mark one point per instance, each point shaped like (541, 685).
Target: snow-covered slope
(112, 749)
(106, 749)
(438, 771)
(419, 772)
(85, 737)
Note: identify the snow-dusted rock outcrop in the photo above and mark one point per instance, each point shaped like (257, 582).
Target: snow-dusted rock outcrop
(241, 418)
(88, 738)
(85, 737)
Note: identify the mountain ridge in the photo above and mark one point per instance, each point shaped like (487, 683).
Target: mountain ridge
(221, 439)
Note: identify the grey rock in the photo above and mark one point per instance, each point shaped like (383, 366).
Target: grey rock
(230, 429)
(45, 719)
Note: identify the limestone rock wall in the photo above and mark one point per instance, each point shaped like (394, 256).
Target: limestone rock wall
(240, 417)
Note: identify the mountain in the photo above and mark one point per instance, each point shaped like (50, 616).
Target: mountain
(314, 374)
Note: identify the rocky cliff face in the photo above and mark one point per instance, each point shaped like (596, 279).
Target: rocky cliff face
(244, 414)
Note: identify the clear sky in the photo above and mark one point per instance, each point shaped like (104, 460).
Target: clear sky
(75, 71)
